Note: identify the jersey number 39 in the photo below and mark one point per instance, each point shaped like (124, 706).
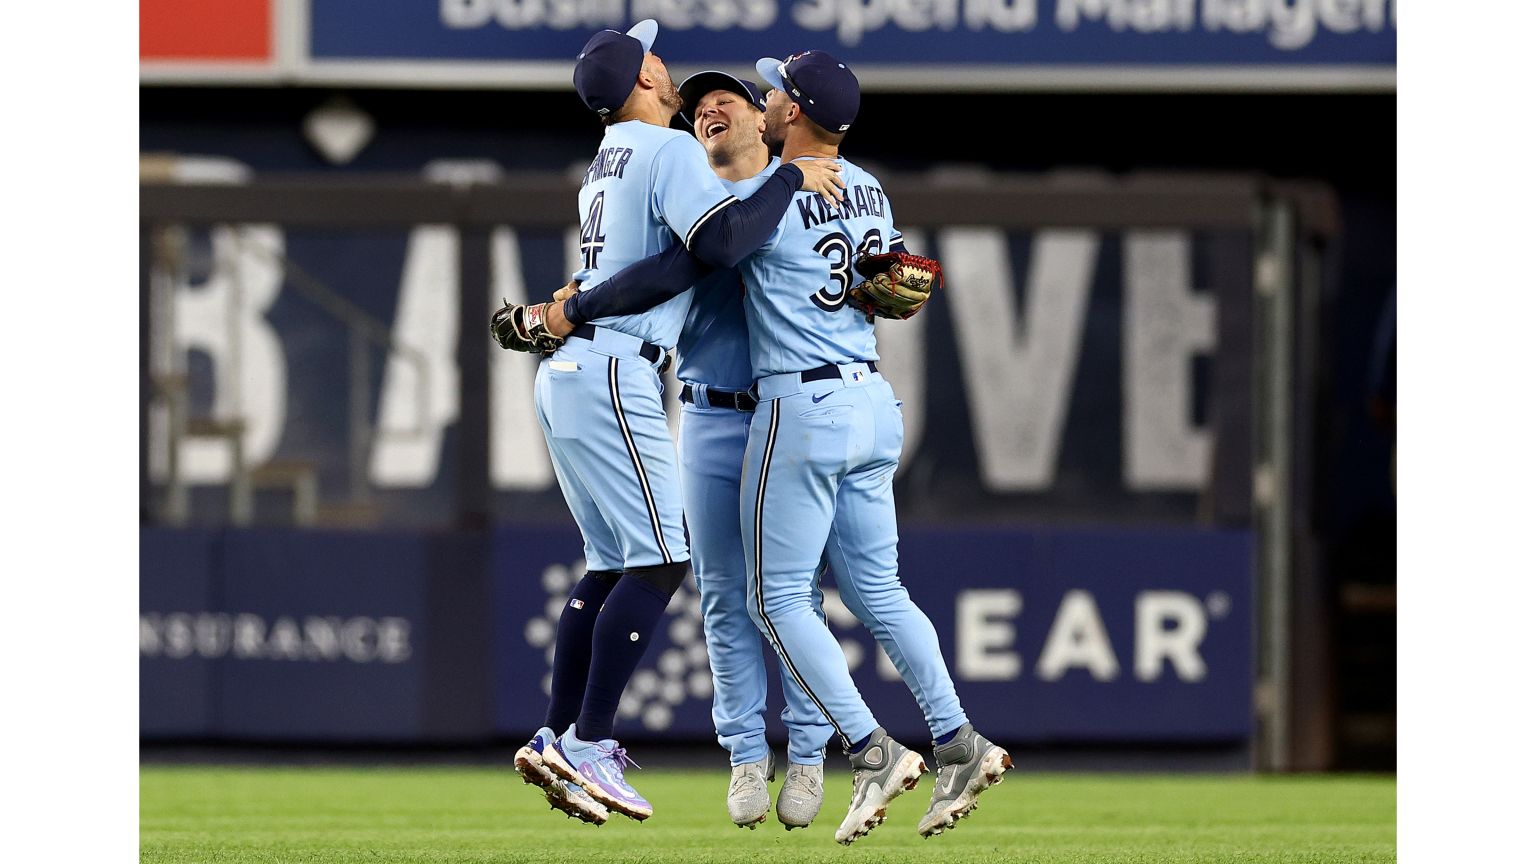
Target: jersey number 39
(838, 249)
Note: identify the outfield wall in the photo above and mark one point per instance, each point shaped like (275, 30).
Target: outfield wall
(1054, 636)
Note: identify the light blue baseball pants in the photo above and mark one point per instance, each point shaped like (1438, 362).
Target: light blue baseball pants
(711, 445)
(599, 402)
(821, 458)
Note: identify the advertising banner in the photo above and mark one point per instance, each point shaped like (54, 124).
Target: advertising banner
(1091, 635)
(948, 45)
(275, 635)
(1050, 636)
(962, 33)
(196, 30)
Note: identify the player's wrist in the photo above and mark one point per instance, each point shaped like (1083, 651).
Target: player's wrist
(571, 311)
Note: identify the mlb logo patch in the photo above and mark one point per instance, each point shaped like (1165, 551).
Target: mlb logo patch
(858, 376)
(577, 604)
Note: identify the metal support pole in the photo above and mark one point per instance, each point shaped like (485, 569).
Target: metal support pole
(474, 475)
(167, 365)
(360, 425)
(1274, 322)
(242, 505)
(146, 373)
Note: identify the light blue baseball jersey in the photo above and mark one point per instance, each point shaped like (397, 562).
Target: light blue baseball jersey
(712, 349)
(648, 187)
(798, 282)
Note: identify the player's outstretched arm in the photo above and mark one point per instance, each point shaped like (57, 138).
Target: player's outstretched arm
(743, 227)
(659, 278)
(643, 284)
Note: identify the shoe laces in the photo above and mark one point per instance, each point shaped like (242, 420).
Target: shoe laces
(619, 755)
(742, 780)
(801, 781)
(940, 775)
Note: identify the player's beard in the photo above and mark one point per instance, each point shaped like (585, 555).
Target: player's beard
(667, 92)
(773, 135)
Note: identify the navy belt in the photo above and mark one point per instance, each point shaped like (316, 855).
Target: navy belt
(823, 373)
(741, 400)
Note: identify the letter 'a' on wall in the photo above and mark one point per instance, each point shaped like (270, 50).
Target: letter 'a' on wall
(1078, 639)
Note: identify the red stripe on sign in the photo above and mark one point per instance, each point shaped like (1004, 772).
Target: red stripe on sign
(204, 30)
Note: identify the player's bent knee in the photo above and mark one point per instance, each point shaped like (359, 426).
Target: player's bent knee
(666, 578)
(609, 578)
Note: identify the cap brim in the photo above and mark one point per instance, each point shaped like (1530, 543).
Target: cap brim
(698, 85)
(768, 70)
(645, 32)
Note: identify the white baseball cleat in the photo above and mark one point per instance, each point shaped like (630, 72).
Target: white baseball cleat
(747, 798)
(800, 796)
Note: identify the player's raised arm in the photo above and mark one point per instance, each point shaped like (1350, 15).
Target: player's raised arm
(727, 230)
(636, 288)
(659, 278)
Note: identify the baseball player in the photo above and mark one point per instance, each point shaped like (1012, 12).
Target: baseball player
(823, 447)
(825, 442)
(598, 402)
(713, 367)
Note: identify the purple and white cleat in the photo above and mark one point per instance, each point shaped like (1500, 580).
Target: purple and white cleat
(564, 796)
(598, 767)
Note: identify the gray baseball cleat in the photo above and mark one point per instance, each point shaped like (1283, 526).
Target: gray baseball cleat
(881, 771)
(800, 796)
(747, 799)
(968, 765)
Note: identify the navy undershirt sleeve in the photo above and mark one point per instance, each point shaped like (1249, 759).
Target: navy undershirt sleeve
(722, 242)
(742, 228)
(638, 287)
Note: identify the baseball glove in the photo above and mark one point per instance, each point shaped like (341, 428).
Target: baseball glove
(896, 284)
(521, 328)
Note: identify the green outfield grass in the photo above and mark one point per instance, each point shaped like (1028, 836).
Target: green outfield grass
(200, 814)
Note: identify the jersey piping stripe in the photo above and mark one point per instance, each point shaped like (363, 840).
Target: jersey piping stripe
(634, 457)
(757, 577)
(688, 238)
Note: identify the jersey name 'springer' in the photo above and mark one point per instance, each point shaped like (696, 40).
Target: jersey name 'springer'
(648, 188)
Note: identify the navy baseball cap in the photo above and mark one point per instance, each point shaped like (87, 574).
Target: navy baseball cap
(824, 88)
(703, 83)
(607, 66)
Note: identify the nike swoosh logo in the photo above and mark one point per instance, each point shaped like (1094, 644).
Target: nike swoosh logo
(821, 397)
